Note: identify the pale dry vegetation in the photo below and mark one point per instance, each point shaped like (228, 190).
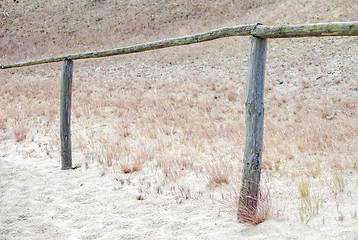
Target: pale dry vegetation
(178, 115)
(259, 214)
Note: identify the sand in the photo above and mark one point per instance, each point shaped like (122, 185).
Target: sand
(176, 102)
(41, 201)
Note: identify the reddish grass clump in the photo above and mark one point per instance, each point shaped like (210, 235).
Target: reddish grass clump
(20, 132)
(217, 173)
(250, 214)
(128, 166)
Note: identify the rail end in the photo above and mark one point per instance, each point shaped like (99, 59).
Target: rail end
(1, 66)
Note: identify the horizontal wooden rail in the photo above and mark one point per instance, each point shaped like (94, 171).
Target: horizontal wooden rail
(307, 30)
(171, 42)
(257, 30)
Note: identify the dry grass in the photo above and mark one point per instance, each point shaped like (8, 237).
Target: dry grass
(309, 208)
(185, 161)
(255, 215)
(338, 182)
(170, 167)
(176, 110)
(131, 165)
(313, 169)
(304, 188)
(217, 173)
(20, 131)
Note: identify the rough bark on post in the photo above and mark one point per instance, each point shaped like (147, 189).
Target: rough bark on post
(254, 125)
(65, 114)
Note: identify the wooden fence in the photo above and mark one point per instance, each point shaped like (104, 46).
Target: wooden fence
(254, 106)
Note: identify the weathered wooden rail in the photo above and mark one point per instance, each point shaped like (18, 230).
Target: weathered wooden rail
(254, 109)
(257, 30)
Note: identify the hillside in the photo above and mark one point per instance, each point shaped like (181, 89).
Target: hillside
(33, 29)
(158, 137)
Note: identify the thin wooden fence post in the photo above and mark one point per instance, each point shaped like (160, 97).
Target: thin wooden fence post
(254, 116)
(65, 114)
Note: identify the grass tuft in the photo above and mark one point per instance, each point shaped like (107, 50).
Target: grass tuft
(251, 215)
(131, 165)
(304, 188)
(217, 173)
(339, 182)
(20, 132)
(309, 208)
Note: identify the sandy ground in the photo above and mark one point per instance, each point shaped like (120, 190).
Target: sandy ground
(40, 201)
(173, 105)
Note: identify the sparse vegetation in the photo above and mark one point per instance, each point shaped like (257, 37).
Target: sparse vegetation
(217, 173)
(304, 188)
(309, 208)
(131, 165)
(20, 131)
(177, 117)
(338, 182)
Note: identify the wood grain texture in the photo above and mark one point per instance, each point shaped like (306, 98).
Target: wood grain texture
(307, 30)
(171, 42)
(254, 116)
(65, 114)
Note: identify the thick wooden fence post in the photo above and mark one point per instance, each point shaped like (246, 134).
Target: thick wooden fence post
(254, 126)
(65, 114)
